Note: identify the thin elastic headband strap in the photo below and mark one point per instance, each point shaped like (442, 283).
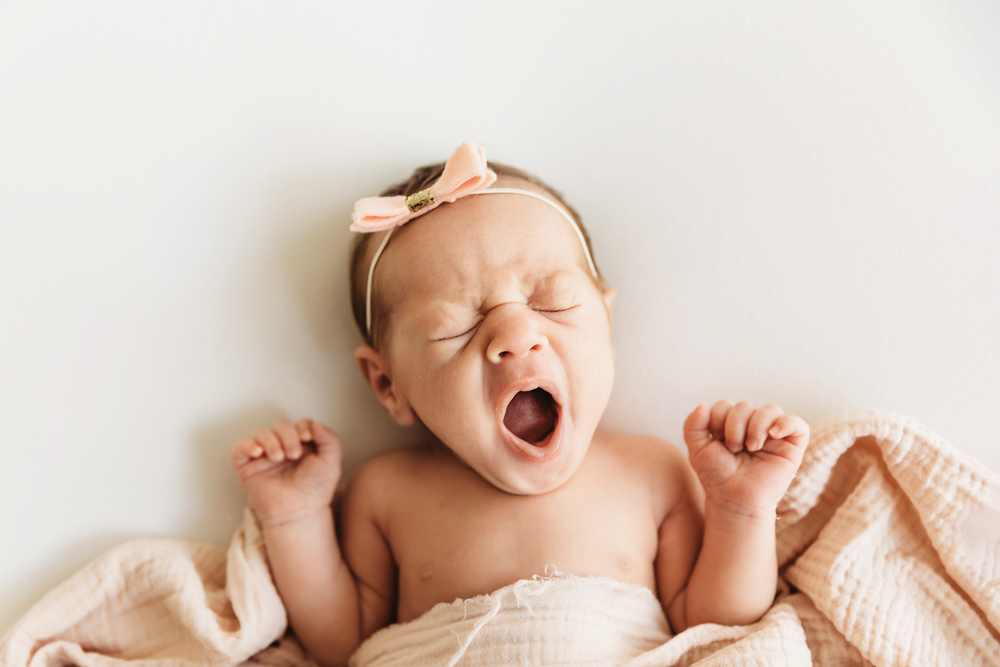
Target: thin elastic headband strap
(490, 191)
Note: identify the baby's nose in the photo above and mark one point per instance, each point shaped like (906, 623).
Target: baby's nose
(514, 335)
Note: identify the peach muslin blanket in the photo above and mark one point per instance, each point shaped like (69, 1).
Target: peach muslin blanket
(888, 538)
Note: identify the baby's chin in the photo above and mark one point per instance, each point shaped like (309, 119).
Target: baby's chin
(522, 486)
(531, 478)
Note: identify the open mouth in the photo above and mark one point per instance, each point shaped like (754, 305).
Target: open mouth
(531, 415)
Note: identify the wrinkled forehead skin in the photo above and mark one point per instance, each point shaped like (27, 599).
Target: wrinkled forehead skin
(471, 247)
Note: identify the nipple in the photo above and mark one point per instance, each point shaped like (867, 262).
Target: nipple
(426, 572)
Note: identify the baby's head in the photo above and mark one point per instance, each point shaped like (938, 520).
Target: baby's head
(490, 324)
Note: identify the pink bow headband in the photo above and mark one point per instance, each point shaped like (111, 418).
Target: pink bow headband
(465, 173)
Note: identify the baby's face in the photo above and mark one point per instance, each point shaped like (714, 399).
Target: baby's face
(499, 339)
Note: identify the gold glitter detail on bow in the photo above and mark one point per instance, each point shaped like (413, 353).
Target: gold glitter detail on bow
(418, 200)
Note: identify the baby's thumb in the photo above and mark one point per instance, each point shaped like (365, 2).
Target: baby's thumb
(696, 431)
(327, 442)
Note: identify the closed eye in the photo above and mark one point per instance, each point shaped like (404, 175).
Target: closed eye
(459, 335)
(556, 310)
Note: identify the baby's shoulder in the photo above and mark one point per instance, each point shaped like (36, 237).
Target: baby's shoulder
(644, 452)
(386, 469)
(380, 479)
(659, 463)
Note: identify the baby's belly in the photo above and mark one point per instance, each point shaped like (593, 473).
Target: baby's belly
(484, 563)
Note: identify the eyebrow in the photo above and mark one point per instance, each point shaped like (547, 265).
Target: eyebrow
(555, 275)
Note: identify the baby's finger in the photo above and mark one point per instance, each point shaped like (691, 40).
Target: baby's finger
(269, 441)
(736, 425)
(304, 427)
(696, 433)
(245, 450)
(791, 428)
(718, 421)
(289, 437)
(761, 421)
(327, 442)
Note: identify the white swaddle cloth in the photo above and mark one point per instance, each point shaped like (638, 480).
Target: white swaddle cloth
(555, 620)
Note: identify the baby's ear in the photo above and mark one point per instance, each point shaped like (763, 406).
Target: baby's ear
(375, 371)
(608, 295)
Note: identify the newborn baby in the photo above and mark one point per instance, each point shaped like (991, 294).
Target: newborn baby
(486, 319)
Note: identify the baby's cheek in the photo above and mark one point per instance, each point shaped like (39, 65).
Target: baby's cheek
(594, 368)
(454, 401)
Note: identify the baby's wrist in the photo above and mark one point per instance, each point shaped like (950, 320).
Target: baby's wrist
(729, 514)
(297, 518)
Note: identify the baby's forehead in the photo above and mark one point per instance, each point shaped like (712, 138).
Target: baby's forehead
(468, 244)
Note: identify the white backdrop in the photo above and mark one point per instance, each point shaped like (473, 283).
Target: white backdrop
(797, 202)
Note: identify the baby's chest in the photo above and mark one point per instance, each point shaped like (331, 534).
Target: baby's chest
(450, 546)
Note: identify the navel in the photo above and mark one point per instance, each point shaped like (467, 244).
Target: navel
(624, 564)
(427, 571)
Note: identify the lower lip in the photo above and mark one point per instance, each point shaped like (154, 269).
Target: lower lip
(546, 450)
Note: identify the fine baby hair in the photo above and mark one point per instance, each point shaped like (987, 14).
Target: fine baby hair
(396, 205)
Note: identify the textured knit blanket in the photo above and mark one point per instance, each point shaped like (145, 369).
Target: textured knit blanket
(888, 541)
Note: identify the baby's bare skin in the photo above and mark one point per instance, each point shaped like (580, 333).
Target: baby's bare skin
(490, 300)
(453, 535)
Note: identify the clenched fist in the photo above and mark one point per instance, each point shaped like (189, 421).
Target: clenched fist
(288, 471)
(745, 457)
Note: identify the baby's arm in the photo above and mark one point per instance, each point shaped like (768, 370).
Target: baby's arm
(289, 474)
(745, 459)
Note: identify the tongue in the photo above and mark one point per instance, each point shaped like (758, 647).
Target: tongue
(531, 415)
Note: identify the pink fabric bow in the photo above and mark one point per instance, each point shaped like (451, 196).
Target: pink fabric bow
(464, 173)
